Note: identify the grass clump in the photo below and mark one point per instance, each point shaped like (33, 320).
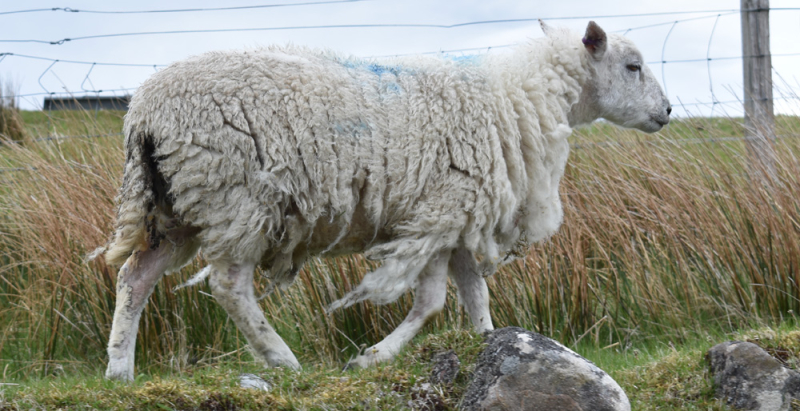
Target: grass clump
(680, 380)
(11, 122)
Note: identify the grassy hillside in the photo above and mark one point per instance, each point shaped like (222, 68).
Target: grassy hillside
(669, 240)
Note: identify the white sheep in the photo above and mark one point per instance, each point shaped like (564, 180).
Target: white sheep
(267, 157)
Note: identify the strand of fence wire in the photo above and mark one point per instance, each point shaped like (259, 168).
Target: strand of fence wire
(28, 56)
(233, 8)
(444, 52)
(56, 138)
(314, 3)
(353, 26)
(574, 146)
(239, 8)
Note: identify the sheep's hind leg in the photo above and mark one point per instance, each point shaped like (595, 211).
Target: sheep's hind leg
(232, 287)
(472, 290)
(135, 282)
(429, 298)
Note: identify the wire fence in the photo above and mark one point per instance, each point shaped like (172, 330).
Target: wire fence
(708, 104)
(573, 146)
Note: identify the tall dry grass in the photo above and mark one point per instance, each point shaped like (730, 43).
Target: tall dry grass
(663, 235)
(10, 120)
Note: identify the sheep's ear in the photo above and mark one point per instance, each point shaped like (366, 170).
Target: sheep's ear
(545, 27)
(595, 40)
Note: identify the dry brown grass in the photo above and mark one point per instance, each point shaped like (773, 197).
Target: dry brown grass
(11, 125)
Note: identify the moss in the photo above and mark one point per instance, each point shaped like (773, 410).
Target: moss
(679, 380)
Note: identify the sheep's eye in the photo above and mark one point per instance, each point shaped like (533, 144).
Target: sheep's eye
(633, 67)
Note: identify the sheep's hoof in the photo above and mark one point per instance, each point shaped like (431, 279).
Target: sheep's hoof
(276, 360)
(118, 373)
(352, 365)
(370, 359)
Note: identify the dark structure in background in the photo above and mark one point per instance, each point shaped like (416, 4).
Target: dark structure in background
(87, 103)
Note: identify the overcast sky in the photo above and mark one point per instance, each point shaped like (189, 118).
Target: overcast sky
(686, 83)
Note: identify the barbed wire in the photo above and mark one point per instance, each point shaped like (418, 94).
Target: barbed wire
(354, 26)
(80, 62)
(447, 51)
(314, 3)
(239, 8)
(236, 8)
(663, 62)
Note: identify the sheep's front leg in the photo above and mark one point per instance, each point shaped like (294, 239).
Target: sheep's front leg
(135, 282)
(472, 290)
(232, 287)
(430, 293)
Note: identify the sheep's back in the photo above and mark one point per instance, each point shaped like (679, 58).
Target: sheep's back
(247, 138)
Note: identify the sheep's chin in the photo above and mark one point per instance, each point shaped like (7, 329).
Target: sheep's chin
(650, 126)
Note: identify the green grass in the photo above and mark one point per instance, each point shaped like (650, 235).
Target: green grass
(656, 375)
(43, 124)
(386, 387)
(670, 244)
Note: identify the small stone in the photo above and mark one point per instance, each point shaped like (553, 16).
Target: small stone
(445, 367)
(254, 382)
(747, 378)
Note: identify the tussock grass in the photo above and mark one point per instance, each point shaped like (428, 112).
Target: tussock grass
(11, 123)
(664, 236)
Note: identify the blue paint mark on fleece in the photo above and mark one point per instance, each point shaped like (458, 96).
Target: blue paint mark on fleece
(386, 83)
(375, 68)
(353, 128)
(394, 88)
(379, 69)
(469, 60)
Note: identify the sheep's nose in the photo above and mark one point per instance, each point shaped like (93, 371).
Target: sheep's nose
(669, 110)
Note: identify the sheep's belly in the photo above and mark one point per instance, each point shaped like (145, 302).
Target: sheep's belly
(358, 236)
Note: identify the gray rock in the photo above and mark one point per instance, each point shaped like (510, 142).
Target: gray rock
(445, 367)
(747, 378)
(522, 370)
(253, 382)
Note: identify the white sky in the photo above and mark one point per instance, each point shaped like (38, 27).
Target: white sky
(686, 83)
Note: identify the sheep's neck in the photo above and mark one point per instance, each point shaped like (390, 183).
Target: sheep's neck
(542, 83)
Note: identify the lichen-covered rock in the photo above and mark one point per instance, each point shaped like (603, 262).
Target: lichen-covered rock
(445, 367)
(747, 378)
(522, 370)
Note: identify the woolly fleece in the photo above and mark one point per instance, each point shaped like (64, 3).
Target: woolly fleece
(281, 153)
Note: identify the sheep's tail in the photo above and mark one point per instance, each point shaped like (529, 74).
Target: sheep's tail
(135, 200)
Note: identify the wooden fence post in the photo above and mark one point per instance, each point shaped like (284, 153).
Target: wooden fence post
(759, 118)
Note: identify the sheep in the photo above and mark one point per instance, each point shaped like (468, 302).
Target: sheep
(269, 156)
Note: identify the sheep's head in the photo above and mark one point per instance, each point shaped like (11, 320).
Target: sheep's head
(621, 88)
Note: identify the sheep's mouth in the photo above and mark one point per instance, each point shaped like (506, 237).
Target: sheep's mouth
(661, 121)
(652, 124)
